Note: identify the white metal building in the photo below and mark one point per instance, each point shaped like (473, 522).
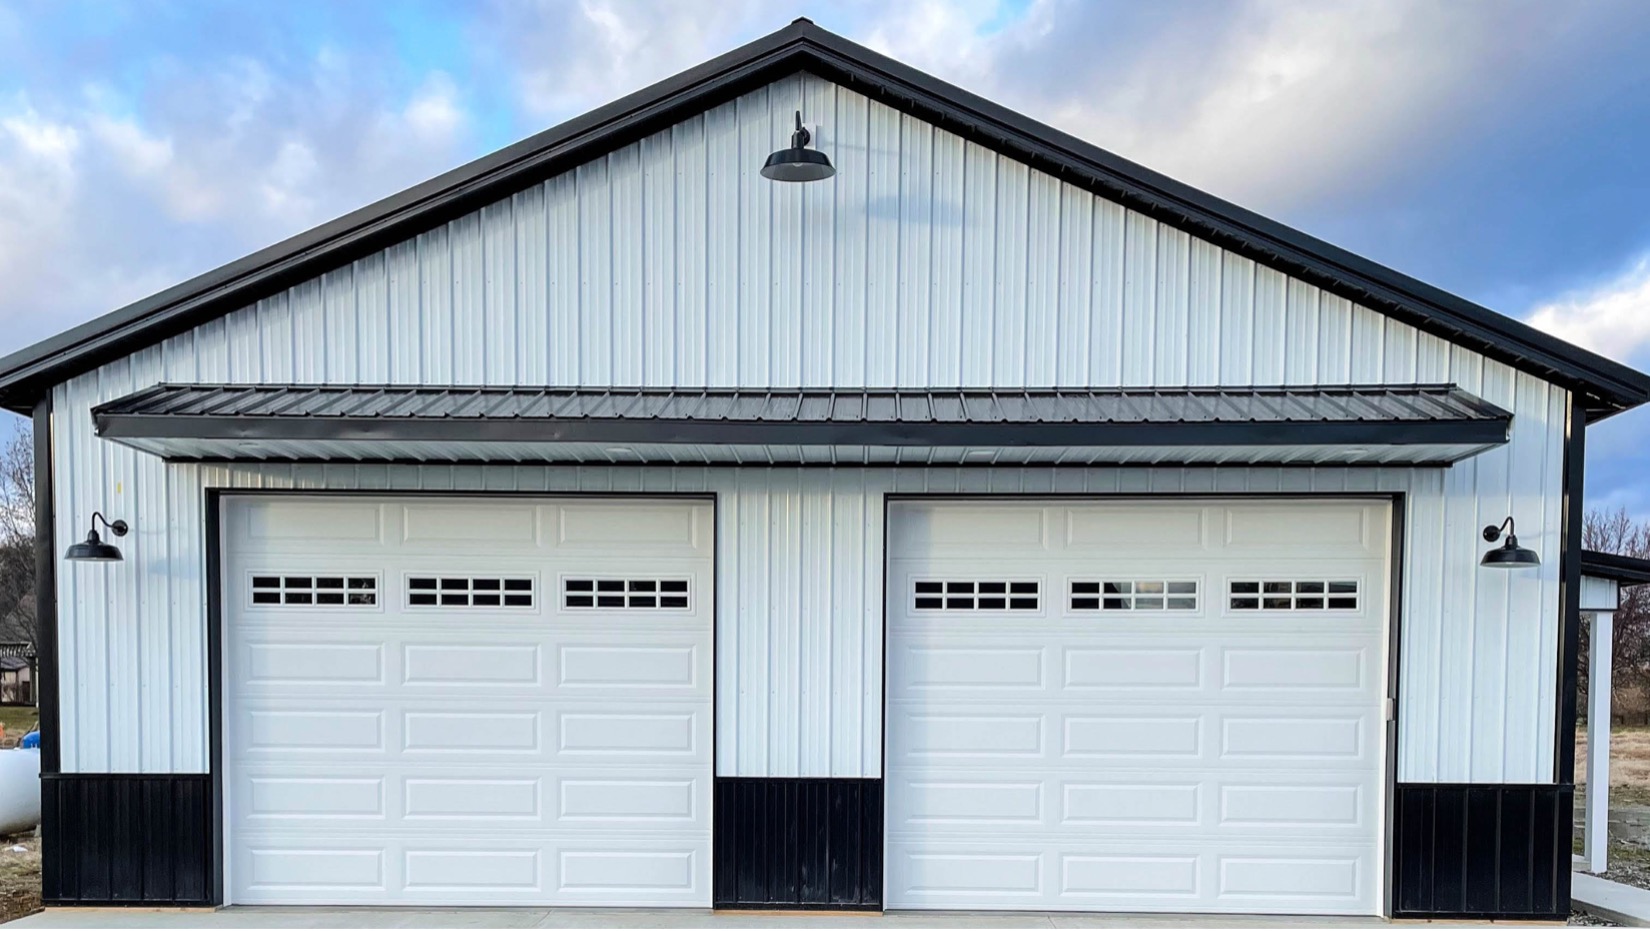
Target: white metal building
(995, 524)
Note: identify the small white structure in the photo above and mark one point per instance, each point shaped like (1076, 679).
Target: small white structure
(1604, 575)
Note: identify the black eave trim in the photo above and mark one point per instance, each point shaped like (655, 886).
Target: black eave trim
(802, 46)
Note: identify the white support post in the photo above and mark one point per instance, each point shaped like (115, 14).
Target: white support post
(1596, 822)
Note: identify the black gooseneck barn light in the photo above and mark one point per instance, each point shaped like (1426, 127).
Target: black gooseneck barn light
(798, 163)
(93, 549)
(1508, 555)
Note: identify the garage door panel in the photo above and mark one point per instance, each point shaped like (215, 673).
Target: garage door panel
(464, 753)
(969, 668)
(1132, 757)
(300, 795)
(1124, 667)
(310, 660)
(967, 734)
(631, 800)
(971, 665)
(603, 662)
(459, 663)
(644, 663)
(1134, 876)
(300, 525)
(1327, 668)
(1272, 737)
(1143, 803)
(1282, 805)
(455, 870)
(1132, 736)
(443, 798)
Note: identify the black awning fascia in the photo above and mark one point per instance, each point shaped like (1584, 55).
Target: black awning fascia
(1623, 570)
(1352, 433)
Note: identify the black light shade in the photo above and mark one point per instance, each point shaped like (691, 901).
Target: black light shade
(1508, 555)
(798, 163)
(93, 549)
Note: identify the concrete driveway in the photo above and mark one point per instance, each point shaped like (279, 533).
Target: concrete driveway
(640, 918)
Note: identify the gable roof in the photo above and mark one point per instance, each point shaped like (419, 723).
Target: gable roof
(1604, 386)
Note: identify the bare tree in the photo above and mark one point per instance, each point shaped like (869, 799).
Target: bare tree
(17, 558)
(1615, 532)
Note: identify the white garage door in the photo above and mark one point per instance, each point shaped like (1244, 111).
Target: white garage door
(1140, 706)
(497, 701)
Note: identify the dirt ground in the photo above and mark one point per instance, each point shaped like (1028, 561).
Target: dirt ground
(19, 877)
(1629, 807)
(1629, 761)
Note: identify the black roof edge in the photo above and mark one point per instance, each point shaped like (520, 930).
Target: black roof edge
(1626, 570)
(1605, 386)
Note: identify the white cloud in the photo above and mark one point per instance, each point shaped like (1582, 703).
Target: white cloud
(1612, 318)
(570, 57)
(434, 113)
(104, 200)
(1271, 103)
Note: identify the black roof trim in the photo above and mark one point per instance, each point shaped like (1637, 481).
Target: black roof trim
(1410, 415)
(1626, 570)
(1605, 385)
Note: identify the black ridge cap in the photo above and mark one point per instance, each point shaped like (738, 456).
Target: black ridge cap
(1626, 570)
(1604, 385)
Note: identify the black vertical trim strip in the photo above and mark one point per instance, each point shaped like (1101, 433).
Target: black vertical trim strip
(45, 596)
(1569, 619)
(214, 688)
(797, 843)
(717, 841)
(1396, 548)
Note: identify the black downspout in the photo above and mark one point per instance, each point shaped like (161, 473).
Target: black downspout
(45, 642)
(1569, 569)
(45, 587)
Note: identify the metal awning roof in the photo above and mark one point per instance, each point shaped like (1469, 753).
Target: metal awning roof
(1625, 570)
(1385, 424)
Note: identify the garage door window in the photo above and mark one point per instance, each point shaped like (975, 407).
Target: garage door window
(630, 594)
(1134, 595)
(327, 591)
(1294, 595)
(466, 591)
(976, 595)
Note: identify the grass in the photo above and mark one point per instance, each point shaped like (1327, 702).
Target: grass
(18, 719)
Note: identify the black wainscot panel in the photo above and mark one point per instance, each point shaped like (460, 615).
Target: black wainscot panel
(1482, 851)
(798, 843)
(127, 839)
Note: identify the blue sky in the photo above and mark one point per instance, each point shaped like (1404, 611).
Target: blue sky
(1496, 149)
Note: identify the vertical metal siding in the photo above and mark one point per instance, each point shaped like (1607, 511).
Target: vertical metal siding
(928, 261)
